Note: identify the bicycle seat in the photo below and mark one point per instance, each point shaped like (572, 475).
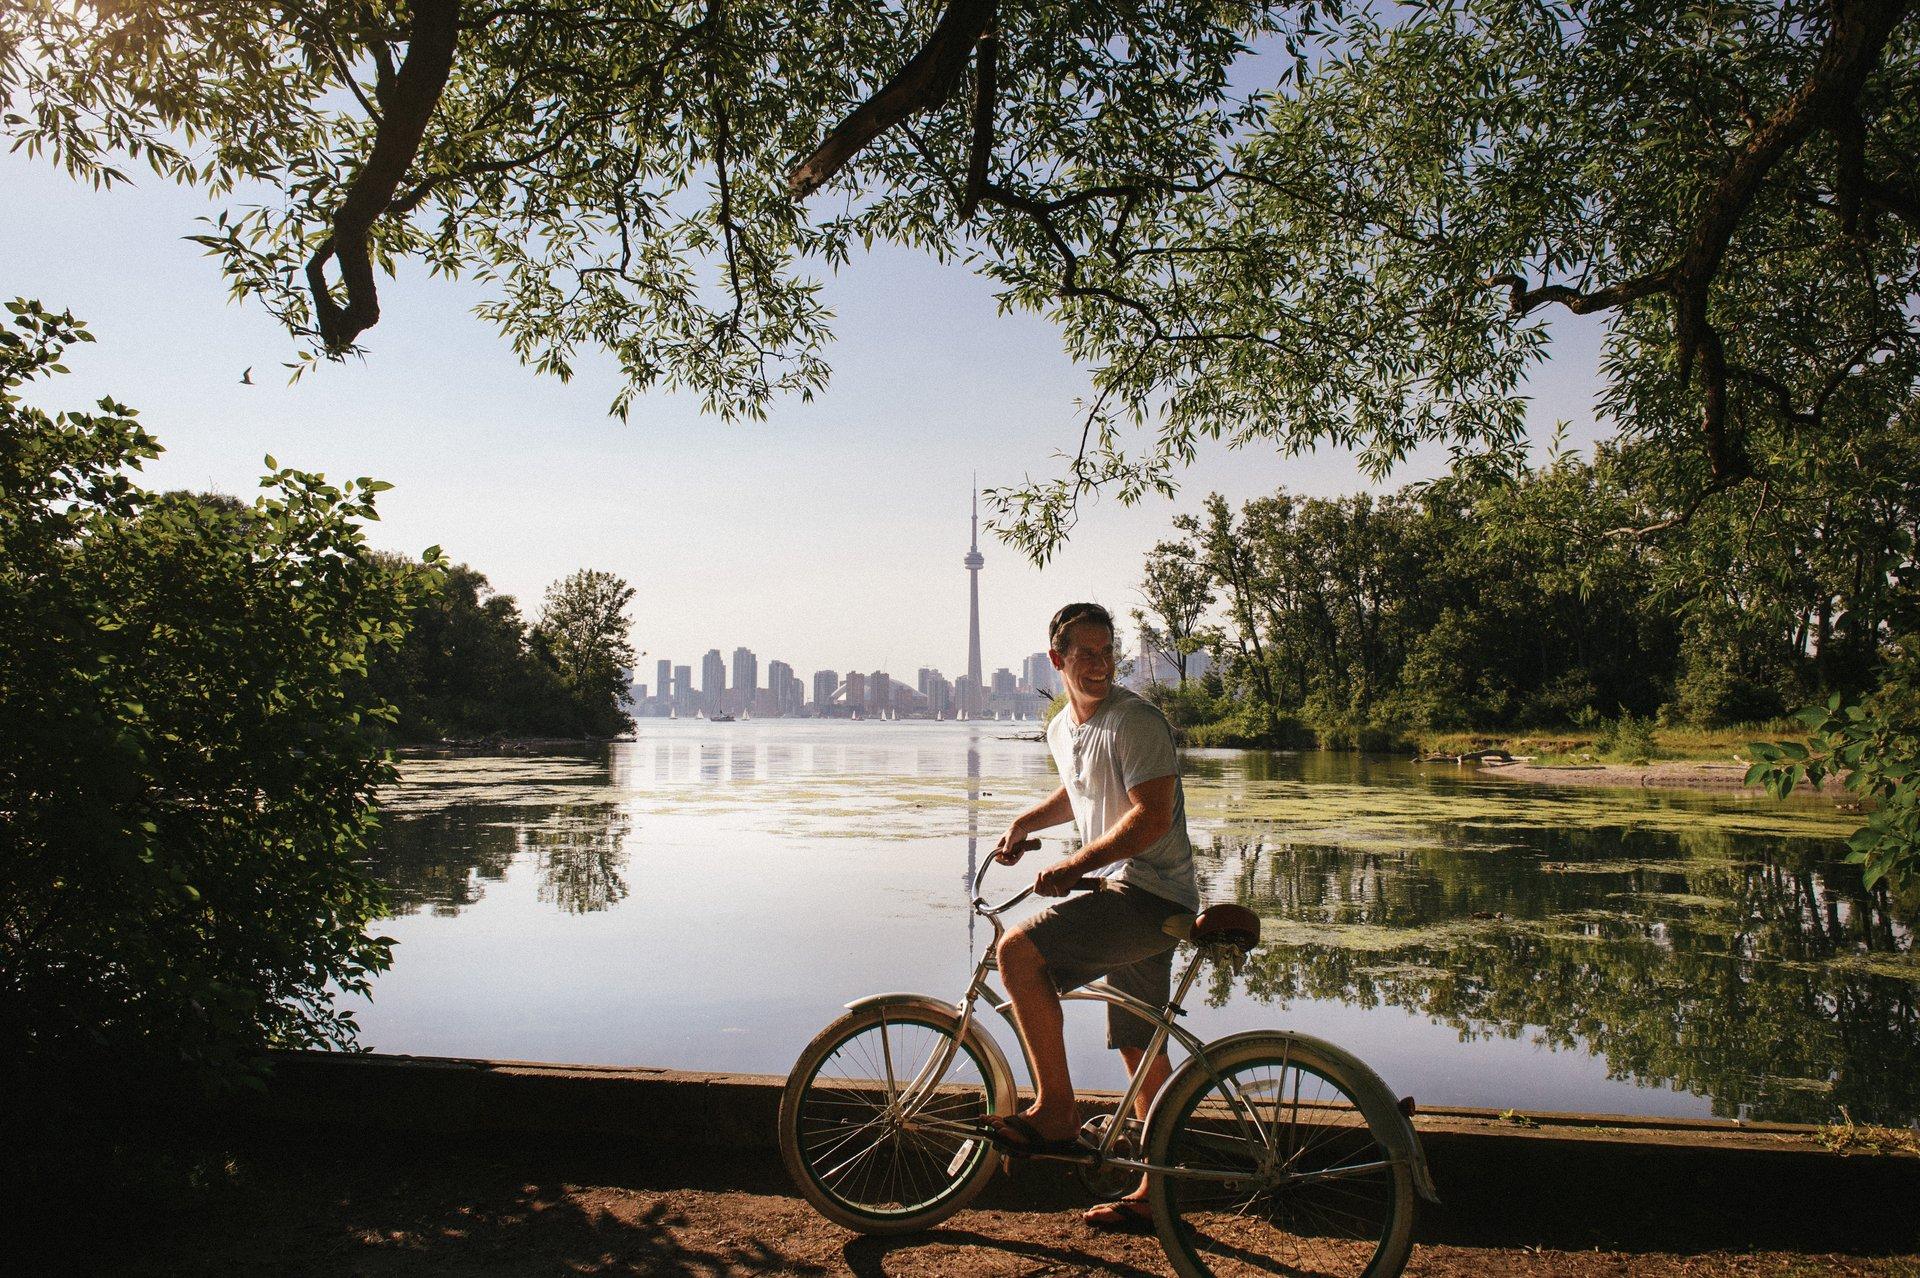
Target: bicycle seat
(1227, 924)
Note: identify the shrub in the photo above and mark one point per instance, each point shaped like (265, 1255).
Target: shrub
(187, 768)
(1247, 729)
(1874, 743)
(1628, 738)
(1187, 704)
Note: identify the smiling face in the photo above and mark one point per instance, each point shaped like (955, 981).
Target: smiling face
(1085, 661)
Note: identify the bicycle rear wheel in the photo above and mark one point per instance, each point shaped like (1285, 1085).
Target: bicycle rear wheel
(1290, 1169)
(848, 1138)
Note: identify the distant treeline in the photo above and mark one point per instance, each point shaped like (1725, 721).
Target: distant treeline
(1556, 597)
(471, 667)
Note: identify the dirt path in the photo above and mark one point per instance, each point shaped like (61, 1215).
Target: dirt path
(426, 1209)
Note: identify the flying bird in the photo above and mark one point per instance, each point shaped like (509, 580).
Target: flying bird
(246, 378)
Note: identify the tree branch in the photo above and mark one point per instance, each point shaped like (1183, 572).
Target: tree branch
(1522, 300)
(1826, 99)
(409, 103)
(926, 81)
(1718, 484)
(985, 64)
(1853, 49)
(721, 140)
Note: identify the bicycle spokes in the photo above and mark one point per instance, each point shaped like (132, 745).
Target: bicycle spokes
(890, 1118)
(1279, 1172)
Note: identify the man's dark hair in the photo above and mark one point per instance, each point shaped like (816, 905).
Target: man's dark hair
(1060, 629)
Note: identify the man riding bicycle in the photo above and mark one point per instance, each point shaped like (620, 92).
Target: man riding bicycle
(1120, 785)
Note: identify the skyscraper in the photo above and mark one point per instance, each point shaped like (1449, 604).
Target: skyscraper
(974, 561)
(939, 694)
(663, 684)
(746, 678)
(783, 690)
(713, 681)
(825, 684)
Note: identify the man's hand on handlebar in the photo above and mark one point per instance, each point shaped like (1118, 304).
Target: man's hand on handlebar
(1013, 845)
(1057, 879)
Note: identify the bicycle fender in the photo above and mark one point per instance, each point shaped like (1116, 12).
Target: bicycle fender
(1003, 1084)
(1401, 1140)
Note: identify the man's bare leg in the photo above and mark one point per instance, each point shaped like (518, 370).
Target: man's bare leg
(1157, 1071)
(1036, 1010)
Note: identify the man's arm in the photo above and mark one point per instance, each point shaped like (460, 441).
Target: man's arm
(1055, 809)
(1138, 829)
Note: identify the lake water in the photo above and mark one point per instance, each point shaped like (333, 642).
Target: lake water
(709, 895)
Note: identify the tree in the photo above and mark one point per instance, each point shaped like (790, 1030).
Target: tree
(1289, 223)
(1178, 593)
(583, 630)
(188, 753)
(1223, 550)
(467, 668)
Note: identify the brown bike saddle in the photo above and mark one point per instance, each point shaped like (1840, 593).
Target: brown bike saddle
(1231, 924)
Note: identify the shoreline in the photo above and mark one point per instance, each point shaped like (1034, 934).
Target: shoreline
(1698, 775)
(1669, 774)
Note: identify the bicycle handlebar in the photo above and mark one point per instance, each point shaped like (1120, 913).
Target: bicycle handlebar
(1084, 884)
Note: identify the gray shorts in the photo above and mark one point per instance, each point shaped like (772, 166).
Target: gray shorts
(1116, 933)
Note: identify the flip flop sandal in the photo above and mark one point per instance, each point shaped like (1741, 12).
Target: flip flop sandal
(1125, 1215)
(1016, 1135)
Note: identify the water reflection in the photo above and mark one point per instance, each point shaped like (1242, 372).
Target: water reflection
(1710, 947)
(580, 854)
(973, 832)
(441, 861)
(1759, 974)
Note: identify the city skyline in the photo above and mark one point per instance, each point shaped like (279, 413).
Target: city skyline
(674, 690)
(786, 692)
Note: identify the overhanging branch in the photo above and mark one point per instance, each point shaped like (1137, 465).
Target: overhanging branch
(926, 81)
(407, 104)
(1827, 99)
(985, 68)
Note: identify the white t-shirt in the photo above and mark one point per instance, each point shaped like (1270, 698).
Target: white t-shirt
(1125, 742)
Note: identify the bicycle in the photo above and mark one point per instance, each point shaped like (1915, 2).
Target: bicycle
(1264, 1152)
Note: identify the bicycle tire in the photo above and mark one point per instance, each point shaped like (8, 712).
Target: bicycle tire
(1329, 1199)
(898, 1178)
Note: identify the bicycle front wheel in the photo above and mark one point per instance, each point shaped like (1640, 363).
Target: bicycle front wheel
(871, 1137)
(1280, 1166)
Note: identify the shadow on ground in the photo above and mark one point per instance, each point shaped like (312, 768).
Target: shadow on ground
(891, 1257)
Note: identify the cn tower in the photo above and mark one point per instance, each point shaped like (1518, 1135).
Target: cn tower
(974, 562)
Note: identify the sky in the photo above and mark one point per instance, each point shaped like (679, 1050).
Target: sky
(829, 536)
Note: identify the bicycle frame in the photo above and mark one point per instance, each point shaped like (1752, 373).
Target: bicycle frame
(909, 1099)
